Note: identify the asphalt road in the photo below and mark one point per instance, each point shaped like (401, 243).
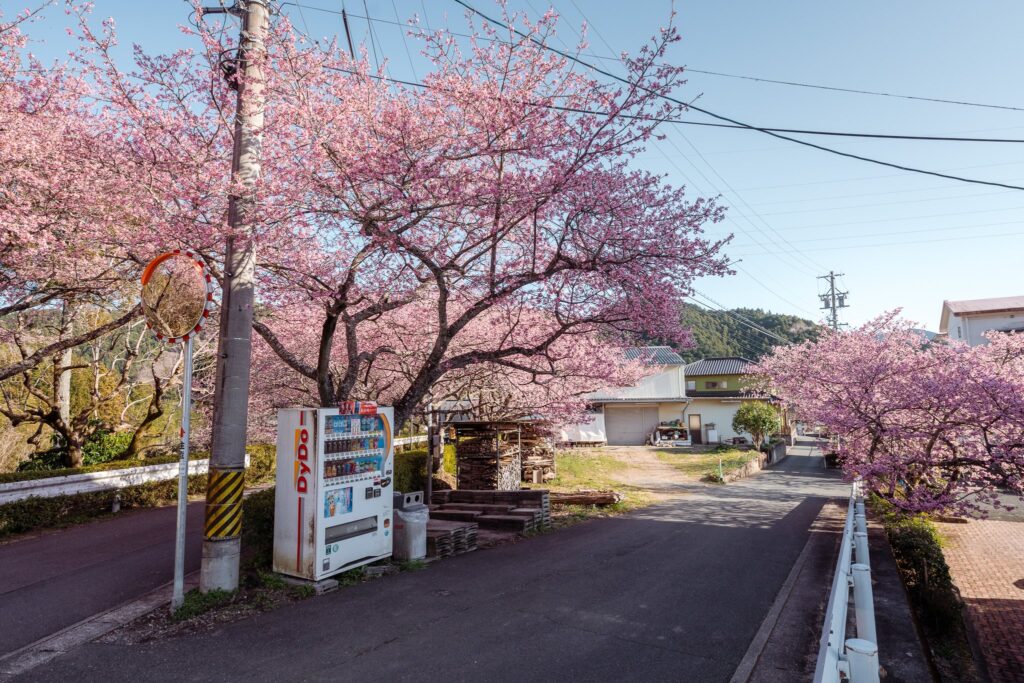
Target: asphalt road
(51, 581)
(674, 592)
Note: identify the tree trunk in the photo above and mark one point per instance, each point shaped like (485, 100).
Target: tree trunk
(153, 413)
(75, 456)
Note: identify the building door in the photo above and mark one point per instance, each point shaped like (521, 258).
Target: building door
(629, 425)
(695, 431)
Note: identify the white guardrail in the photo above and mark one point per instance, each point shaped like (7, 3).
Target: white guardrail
(110, 480)
(841, 658)
(406, 440)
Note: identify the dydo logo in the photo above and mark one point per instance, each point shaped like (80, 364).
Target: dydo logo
(300, 477)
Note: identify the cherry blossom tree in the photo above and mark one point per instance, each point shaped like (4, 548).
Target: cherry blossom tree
(487, 215)
(930, 426)
(490, 229)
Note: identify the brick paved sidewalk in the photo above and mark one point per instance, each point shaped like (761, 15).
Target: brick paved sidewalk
(986, 559)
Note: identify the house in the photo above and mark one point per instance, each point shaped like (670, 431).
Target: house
(630, 414)
(715, 389)
(970, 319)
(703, 396)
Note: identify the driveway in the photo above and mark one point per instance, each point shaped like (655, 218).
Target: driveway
(672, 592)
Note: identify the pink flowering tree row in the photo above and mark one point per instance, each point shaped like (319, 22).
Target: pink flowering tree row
(489, 233)
(929, 426)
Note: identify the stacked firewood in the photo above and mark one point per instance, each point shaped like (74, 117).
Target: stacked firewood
(489, 463)
(538, 447)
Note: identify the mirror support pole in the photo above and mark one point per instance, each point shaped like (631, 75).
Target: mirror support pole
(178, 596)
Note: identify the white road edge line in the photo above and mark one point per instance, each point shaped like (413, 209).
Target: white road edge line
(56, 644)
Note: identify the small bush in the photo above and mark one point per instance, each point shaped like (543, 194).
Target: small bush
(410, 468)
(258, 529)
(262, 464)
(104, 446)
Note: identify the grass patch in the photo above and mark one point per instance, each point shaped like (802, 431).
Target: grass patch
(411, 565)
(705, 465)
(197, 602)
(592, 469)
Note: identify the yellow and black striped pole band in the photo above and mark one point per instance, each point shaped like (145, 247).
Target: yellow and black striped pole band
(224, 504)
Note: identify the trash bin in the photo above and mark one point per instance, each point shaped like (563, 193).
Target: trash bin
(411, 532)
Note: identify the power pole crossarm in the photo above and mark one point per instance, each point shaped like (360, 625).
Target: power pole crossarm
(221, 542)
(833, 300)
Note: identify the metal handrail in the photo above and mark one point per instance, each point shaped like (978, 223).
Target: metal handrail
(841, 658)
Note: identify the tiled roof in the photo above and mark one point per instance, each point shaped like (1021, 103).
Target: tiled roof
(733, 365)
(656, 355)
(1003, 303)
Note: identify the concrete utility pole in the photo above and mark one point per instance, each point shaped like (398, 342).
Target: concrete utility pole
(221, 538)
(833, 300)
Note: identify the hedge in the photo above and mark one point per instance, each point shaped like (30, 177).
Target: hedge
(918, 551)
(59, 511)
(411, 465)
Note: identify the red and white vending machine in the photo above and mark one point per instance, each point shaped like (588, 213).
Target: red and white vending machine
(333, 502)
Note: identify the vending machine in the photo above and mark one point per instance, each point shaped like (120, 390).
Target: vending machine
(333, 502)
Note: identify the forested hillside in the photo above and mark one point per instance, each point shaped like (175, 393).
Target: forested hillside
(717, 333)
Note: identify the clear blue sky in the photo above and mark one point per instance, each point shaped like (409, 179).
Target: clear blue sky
(902, 239)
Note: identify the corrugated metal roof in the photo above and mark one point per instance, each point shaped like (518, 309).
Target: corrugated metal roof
(733, 365)
(1003, 303)
(656, 355)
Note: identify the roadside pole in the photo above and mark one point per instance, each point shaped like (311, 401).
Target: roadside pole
(221, 538)
(178, 595)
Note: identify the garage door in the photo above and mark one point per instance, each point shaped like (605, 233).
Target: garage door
(629, 425)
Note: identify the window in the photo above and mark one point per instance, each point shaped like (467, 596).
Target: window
(710, 385)
(691, 386)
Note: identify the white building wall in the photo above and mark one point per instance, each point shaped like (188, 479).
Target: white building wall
(972, 328)
(716, 410)
(667, 384)
(670, 411)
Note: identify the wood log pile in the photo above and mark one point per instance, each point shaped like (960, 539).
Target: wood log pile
(489, 462)
(538, 445)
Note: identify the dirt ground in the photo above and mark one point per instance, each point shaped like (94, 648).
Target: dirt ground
(646, 471)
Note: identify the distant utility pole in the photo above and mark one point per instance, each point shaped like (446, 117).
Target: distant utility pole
(833, 300)
(221, 537)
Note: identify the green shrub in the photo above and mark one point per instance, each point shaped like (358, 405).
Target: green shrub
(42, 513)
(918, 551)
(410, 469)
(258, 529)
(262, 464)
(104, 446)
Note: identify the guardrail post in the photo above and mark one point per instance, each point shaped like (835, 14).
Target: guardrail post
(860, 545)
(860, 522)
(862, 658)
(863, 602)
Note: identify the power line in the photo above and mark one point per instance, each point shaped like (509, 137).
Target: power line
(912, 242)
(736, 316)
(855, 90)
(706, 124)
(727, 119)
